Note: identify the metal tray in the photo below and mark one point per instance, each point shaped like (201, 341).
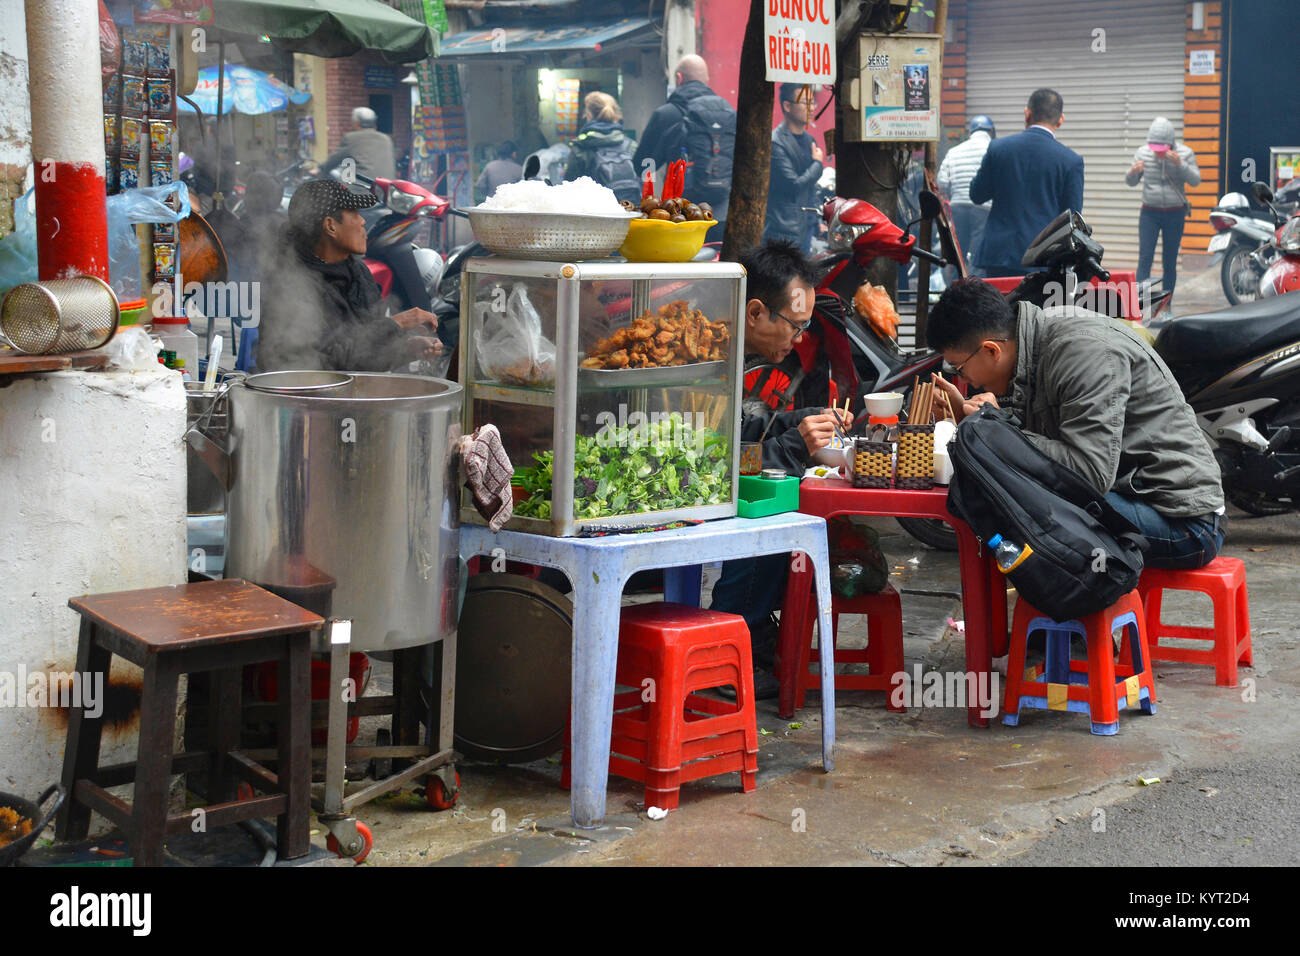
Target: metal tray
(697, 373)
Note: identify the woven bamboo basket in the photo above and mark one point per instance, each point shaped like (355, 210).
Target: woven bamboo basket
(873, 463)
(915, 457)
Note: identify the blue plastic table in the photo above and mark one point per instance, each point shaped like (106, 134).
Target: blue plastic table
(600, 567)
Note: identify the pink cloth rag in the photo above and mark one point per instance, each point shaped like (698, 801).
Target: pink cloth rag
(488, 471)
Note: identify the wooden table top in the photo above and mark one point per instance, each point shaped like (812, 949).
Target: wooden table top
(185, 616)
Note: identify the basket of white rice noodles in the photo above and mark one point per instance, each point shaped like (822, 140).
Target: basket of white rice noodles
(580, 219)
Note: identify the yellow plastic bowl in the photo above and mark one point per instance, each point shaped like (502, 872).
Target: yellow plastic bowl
(657, 240)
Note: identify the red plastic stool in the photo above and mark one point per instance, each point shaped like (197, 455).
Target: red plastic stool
(665, 733)
(1224, 580)
(883, 654)
(1098, 686)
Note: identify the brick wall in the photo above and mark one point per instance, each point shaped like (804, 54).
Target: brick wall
(345, 90)
(1203, 121)
(952, 100)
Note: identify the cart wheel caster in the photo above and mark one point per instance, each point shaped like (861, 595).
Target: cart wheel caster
(435, 792)
(381, 767)
(367, 843)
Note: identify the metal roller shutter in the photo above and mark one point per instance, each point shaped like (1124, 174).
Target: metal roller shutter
(1017, 46)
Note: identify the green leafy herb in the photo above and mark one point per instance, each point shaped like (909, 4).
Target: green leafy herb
(657, 467)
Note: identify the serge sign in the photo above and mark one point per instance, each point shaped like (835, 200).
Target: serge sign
(799, 41)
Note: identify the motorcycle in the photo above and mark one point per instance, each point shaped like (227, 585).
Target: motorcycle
(1244, 241)
(842, 353)
(392, 230)
(1283, 275)
(1238, 368)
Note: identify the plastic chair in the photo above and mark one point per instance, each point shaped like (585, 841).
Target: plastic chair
(883, 654)
(1097, 686)
(664, 732)
(1228, 636)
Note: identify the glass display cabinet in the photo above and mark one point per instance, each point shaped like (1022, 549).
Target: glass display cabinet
(615, 386)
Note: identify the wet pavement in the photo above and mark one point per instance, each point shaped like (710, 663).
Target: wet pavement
(924, 788)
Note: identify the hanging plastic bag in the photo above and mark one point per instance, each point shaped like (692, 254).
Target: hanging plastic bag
(128, 209)
(510, 345)
(857, 564)
(18, 260)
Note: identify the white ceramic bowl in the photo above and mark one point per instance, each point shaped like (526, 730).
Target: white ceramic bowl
(835, 454)
(884, 404)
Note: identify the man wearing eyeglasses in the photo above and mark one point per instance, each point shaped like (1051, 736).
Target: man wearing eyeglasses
(780, 306)
(1093, 396)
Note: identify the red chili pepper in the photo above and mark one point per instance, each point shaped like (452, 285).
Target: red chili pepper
(648, 186)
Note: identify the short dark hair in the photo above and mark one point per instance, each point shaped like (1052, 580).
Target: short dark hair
(1045, 106)
(769, 268)
(507, 149)
(968, 312)
(790, 92)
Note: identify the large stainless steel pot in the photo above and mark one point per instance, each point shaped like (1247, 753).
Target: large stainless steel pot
(342, 497)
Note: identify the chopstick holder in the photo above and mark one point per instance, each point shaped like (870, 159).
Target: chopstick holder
(915, 457)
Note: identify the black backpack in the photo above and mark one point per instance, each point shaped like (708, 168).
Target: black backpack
(708, 134)
(1085, 555)
(612, 166)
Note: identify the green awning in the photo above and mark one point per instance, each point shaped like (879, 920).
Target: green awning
(329, 28)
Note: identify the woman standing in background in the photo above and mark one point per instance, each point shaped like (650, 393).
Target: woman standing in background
(1165, 169)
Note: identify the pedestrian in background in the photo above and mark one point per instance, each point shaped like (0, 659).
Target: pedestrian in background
(796, 167)
(603, 150)
(955, 174)
(504, 169)
(1165, 168)
(1031, 179)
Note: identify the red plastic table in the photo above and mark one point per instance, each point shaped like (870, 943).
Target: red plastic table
(986, 616)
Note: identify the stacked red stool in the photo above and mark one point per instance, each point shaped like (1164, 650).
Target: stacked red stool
(665, 732)
(1224, 580)
(883, 654)
(1097, 686)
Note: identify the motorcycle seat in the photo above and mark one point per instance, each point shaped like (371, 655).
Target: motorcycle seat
(1231, 333)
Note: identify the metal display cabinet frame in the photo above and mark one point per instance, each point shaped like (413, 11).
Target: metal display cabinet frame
(563, 395)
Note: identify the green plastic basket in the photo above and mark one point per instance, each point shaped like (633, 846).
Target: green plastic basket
(760, 497)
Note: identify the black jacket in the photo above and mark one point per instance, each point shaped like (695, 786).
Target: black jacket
(791, 186)
(319, 315)
(783, 446)
(662, 139)
(593, 136)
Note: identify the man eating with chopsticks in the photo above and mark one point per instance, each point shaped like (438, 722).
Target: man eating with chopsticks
(780, 306)
(1094, 396)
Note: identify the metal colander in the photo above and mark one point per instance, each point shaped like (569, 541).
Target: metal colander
(549, 235)
(59, 315)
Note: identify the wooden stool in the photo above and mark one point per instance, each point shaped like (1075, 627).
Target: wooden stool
(192, 628)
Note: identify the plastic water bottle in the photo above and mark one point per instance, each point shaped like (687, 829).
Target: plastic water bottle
(1007, 554)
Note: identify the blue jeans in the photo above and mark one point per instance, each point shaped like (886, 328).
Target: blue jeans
(1175, 542)
(751, 587)
(1151, 223)
(968, 223)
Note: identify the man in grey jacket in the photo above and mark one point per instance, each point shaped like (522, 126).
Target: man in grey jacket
(370, 149)
(1092, 395)
(1165, 169)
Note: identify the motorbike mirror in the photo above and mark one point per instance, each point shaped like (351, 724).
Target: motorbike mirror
(1262, 193)
(931, 208)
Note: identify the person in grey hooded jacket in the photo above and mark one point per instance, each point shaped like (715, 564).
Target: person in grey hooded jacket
(1165, 169)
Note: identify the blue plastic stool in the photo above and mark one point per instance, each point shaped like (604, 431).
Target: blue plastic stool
(1096, 686)
(246, 356)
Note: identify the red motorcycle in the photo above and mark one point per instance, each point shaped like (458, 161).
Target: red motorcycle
(406, 271)
(849, 349)
(1283, 275)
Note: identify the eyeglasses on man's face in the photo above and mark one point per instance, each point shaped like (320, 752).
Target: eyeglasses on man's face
(799, 327)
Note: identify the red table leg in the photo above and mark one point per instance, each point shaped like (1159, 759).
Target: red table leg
(794, 625)
(977, 607)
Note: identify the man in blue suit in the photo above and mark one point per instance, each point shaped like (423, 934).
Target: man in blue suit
(1031, 179)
